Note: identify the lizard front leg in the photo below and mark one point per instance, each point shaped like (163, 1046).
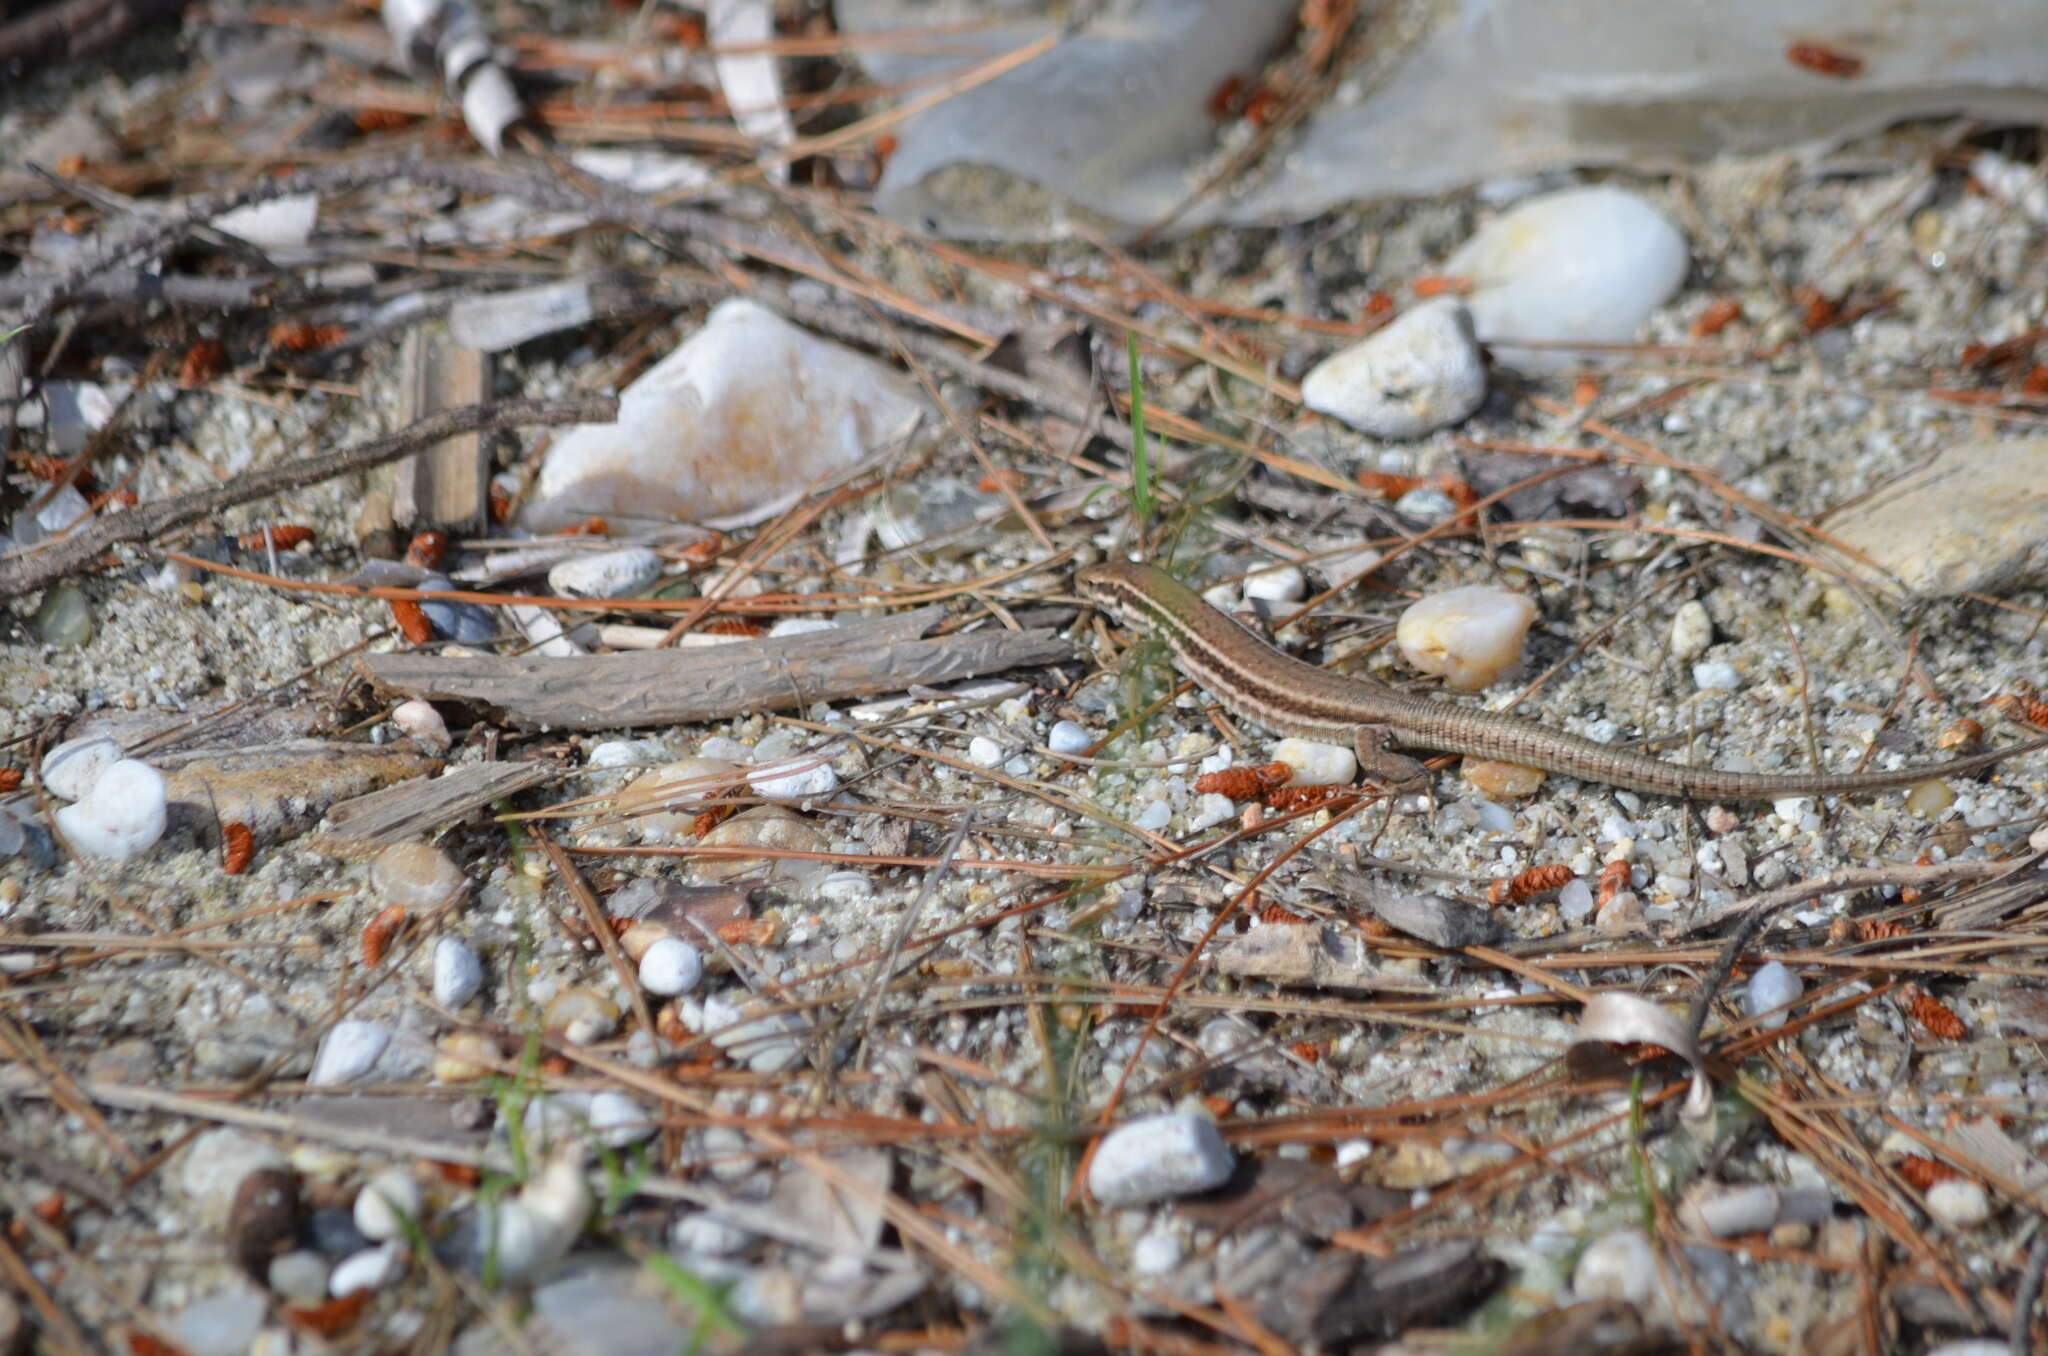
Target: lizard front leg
(1397, 772)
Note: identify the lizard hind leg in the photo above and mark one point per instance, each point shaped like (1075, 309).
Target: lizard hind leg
(1397, 772)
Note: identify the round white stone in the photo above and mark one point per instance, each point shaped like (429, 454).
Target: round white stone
(1421, 372)
(385, 1202)
(1158, 1158)
(1692, 630)
(419, 721)
(299, 1275)
(782, 781)
(671, 966)
(1469, 636)
(1154, 817)
(458, 973)
(347, 1053)
(625, 753)
(1773, 985)
(1158, 1252)
(123, 814)
(983, 751)
(1582, 263)
(1716, 675)
(70, 769)
(1068, 737)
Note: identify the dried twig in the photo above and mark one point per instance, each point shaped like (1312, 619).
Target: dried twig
(48, 563)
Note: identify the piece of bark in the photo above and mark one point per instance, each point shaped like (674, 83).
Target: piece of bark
(278, 790)
(416, 808)
(683, 909)
(668, 687)
(1306, 1196)
(1448, 923)
(448, 485)
(1311, 954)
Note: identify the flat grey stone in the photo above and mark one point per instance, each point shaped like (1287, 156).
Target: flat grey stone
(1973, 520)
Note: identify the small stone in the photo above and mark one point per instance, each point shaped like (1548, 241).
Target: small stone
(705, 1234)
(1421, 372)
(215, 1166)
(791, 779)
(1155, 816)
(1773, 986)
(1587, 264)
(422, 724)
(671, 966)
(464, 1057)
(1069, 738)
(222, 1324)
(264, 1218)
(464, 622)
(69, 770)
(458, 972)
(1692, 631)
(1621, 916)
(65, 617)
(1974, 520)
(1729, 1211)
(121, 817)
(765, 826)
(348, 1052)
(300, 1276)
(1158, 1158)
(617, 1120)
(580, 1016)
(1575, 900)
(370, 1269)
(417, 877)
(386, 1203)
(1716, 675)
(1284, 585)
(1509, 780)
(1469, 636)
(1426, 504)
(846, 887)
(769, 1042)
(1930, 799)
(623, 573)
(1157, 1253)
(687, 784)
(1959, 1203)
(624, 753)
(1620, 1265)
(1316, 764)
(983, 751)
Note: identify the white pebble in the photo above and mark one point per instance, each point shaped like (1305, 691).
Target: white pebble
(385, 1203)
(1426, 504)
(1772, 986)
(534, 1229)
(1792, 809)
(1716, 675)
(1158, 1252)
(617, 1120)
(704, 1234)
(1158, 1158)
(800, 626)
(792, 780)
(1730, 1211)
(1959, 1203)
(671, 966)
(768, 1043)
(1692, 630)
(1582, 263)
(1575, 900)
(1468, 635)
(625, 753)
(422, 724)
(370, 1269)
(1284, 585)
(122, 815)
(606, 574)
(458, 972)
(1210, 810)
(416, 876)
(1068, 737)
(1421, 372)
(70, 769)
(983, 751)
(1155, 816)
(299, 1275)
(1316, 764)
(347, 1053)
(1619, 1265)
(846, 887)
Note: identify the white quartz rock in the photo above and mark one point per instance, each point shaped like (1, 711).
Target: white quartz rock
(1582, 263)
(1422, 372)
(122, 815)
